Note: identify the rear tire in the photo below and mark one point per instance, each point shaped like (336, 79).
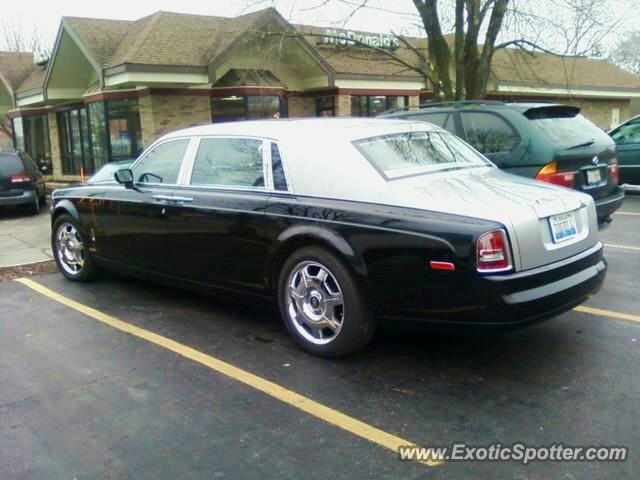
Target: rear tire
(323, 304)
(34, 208)
(69, 250)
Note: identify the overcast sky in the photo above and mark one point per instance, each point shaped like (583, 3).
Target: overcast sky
(45, 15)
(399, 16)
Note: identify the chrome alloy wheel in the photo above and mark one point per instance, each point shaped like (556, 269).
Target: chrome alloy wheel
(315, 304)
(70, 249)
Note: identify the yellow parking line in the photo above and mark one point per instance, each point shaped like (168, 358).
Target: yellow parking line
(608, 313)
(327, 414)
(622, 247)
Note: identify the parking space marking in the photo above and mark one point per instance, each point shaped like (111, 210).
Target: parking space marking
(633, 214)
(305, 404)
(622, 247)
(608, 313)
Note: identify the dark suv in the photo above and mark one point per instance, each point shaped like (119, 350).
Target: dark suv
(548, 142)
(21, 183)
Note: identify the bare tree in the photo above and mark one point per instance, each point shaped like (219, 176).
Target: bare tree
(463, 35)
(626, 52)
(14, 38)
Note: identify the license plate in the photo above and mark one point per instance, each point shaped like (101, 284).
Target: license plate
(594, 176)
(563, 227)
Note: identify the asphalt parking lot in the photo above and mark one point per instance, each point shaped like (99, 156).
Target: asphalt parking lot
(121, 379)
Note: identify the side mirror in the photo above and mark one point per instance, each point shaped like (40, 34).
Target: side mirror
(125, 177)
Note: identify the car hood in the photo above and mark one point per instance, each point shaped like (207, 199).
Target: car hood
(522, 205)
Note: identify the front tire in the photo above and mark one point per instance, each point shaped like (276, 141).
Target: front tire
(69, 250)
(323, 305)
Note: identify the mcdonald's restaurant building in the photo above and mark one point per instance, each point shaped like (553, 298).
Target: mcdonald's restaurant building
(112, 87)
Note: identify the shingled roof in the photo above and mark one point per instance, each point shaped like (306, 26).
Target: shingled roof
(185, 40)
(15, 67)
(540, 69)
(361, 60)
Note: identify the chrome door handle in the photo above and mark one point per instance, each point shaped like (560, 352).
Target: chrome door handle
(172, 198)
(163, 198)
(177, 199)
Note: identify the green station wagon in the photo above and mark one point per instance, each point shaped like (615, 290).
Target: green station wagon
(549, 142)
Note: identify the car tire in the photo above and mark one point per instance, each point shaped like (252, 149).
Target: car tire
(323, 304)
(34, 208)
(72, 258)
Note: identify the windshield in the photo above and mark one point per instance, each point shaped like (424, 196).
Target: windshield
(416, 153)
(567, 132)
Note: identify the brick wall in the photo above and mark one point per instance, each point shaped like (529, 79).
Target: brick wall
(301, 107)
(343, 105)
(160, 114)
(414, 100)
(600, 111)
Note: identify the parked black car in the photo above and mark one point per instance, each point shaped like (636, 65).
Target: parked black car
(627, 138)
(549, 142)
(342, 223)
(21, 182)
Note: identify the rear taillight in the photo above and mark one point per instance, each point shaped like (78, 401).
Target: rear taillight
(549, 173)
(614, 171)
(493, 252)
(21, 178)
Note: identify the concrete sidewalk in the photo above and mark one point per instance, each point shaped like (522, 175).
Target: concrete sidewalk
(24, 238)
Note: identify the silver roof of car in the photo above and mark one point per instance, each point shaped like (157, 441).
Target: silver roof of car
(347, 128)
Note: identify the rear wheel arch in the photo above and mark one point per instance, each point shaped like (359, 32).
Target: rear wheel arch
(295, 238)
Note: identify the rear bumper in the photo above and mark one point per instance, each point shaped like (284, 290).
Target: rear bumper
(507, 301)
(28, 196)
(606, 206)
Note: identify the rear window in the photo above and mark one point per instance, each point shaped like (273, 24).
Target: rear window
(416, 153)
(10, 165)
(568, 128)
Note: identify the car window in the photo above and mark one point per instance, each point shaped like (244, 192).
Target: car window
(438, 119)
(10, 164)
(489, 133)
(279, 178)
(162, 163)
(415, 153)
(629, 133)
(233, 162)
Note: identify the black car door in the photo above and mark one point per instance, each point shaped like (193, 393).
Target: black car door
(217, 234)
(133, 222)
(627, 138)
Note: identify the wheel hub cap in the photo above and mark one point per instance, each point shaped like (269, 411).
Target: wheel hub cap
(315, 304)
(70, 249)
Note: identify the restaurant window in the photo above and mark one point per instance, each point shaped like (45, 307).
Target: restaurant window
(325, 107)
(98, 133)
(125, 134)
(36, 141)
(247, 107)
(74, 142)
(372, 105)
(18, 133)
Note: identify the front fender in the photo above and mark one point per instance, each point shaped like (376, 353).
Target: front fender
(62, 207)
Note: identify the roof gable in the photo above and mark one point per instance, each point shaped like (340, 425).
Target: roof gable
(15, 67)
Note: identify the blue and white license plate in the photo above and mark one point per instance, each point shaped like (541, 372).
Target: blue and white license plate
(563, 227)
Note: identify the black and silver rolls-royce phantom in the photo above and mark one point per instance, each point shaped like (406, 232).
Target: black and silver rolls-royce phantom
(342, 223)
